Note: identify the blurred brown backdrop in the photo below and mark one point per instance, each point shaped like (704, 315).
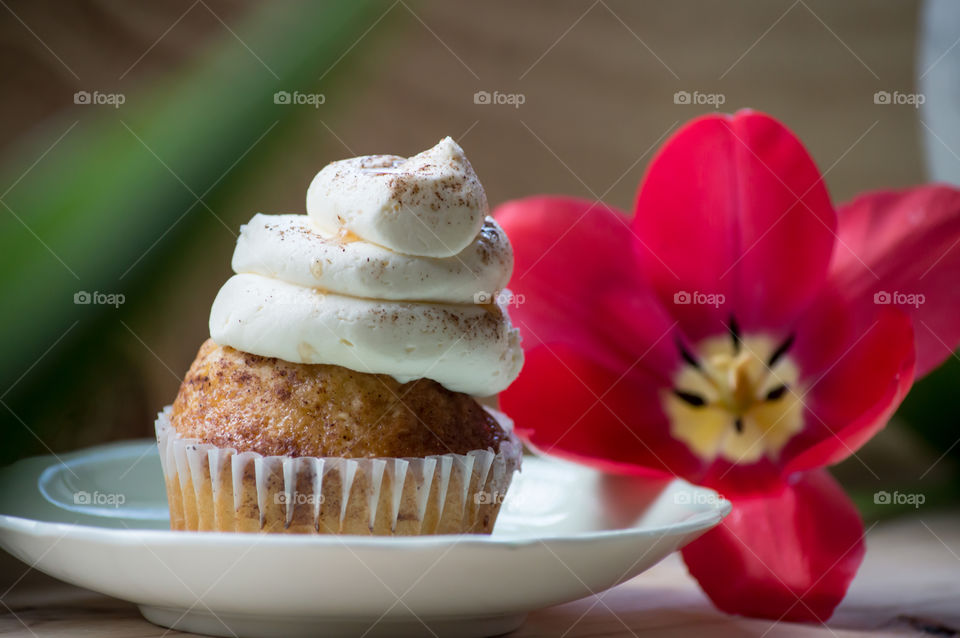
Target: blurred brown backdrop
(597, 78)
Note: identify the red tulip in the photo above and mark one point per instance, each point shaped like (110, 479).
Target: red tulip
(739, 332)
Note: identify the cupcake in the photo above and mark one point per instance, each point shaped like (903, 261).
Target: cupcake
(336, 393)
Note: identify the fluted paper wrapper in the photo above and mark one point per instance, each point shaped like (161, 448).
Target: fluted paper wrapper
(220, 489)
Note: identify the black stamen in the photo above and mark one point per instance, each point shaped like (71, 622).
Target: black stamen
(689, 358)
(735, 333)
(738, 425)
(695, 400)
(779, 352)
(776, 393)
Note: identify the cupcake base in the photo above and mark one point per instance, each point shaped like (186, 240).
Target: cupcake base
(220, 489)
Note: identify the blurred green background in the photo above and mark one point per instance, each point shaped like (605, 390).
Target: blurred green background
(144, 198)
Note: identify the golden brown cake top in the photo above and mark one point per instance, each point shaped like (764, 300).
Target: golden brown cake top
(234, 399)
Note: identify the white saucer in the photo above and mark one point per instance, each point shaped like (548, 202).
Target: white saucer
(565, 532)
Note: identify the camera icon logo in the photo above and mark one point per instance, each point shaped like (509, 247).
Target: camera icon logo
(82, 498)
(882, 498)
(882, 97)
(482, 498)
(81, 97)
(882, 298)
(281, 97)
(681, 97)
(681, 298)
(82, 298)
(482, 97)
(482, 297)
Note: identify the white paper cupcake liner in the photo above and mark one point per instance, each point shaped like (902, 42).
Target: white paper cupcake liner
(220, 489)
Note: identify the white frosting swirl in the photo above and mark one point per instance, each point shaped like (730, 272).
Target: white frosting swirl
(290, 248)
(466, 347)
(359, 282)
(431, 204)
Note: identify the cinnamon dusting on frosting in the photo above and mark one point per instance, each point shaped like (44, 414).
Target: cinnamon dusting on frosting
(386, 274)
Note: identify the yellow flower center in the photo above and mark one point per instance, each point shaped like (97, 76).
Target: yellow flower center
(737, 398)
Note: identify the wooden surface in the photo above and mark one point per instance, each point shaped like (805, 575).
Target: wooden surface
(909, 585)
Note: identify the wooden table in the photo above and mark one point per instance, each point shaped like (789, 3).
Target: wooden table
(909, 585)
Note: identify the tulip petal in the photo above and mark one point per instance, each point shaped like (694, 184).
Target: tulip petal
(566, 405)
(576, 281)
(903, 247)
(734, 206)
(861, 380)
(787, 556)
